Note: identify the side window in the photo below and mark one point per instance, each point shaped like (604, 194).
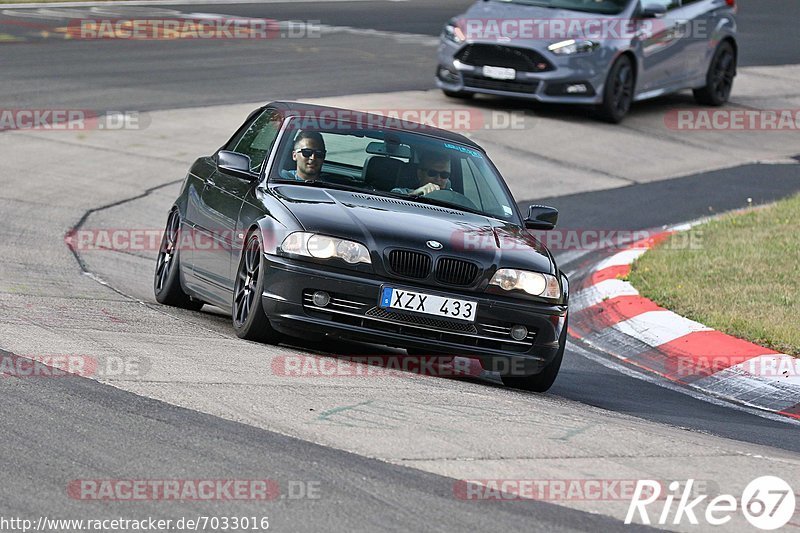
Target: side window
(257, 140)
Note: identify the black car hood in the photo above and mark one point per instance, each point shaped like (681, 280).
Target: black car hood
(382, 222)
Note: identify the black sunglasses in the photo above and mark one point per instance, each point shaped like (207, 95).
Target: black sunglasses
(434, 173)
(307, 152)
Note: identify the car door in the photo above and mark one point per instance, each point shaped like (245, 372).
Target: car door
(660, 41)
(220, 203)
(699, 17)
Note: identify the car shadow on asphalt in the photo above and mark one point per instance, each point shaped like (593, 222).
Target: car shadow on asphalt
(581, 113)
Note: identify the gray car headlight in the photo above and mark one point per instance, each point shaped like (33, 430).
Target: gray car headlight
(533, 283)
(571, 46)
(325, 247)
(452, 32)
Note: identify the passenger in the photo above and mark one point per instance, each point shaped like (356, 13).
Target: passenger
(433, 174)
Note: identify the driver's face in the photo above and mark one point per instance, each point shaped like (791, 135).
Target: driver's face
(436, 172)
(308, 168)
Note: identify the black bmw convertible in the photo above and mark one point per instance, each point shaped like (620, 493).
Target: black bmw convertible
(314, 221)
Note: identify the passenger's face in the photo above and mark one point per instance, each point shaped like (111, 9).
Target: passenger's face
(308, 167)
(436, 172)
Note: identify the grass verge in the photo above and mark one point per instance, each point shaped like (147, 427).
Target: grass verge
(737, 274)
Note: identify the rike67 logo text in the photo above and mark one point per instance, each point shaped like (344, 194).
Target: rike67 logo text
(767, 502)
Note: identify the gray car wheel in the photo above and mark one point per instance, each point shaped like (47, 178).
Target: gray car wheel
(618, 93)
(719, 79)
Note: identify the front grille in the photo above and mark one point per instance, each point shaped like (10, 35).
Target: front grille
(473, 335)
(422, 320)
(496, 55)
(410, 264)
(456, 272)
(479, 82)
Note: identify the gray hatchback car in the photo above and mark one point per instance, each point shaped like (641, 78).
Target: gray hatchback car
(604, 53)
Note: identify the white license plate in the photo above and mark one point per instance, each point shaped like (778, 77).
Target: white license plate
(428, 304)
(499, 73)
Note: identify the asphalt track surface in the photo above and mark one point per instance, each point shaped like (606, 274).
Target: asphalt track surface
(124, 75)
(65, 429)
(103, 432)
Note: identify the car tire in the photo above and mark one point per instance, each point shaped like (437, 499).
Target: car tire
(542, 381)
(167, 278)
(250, 321)
(618, 91)
(719, 79)
(461, 95)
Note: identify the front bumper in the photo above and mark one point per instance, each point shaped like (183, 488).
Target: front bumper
(354, 314)
(547, 86)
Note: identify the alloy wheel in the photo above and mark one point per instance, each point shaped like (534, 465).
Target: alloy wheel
(246, 281)
(166, 253)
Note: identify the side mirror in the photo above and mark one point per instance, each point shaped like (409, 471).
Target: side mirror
(236, 164)
(541, 217)
(651, 11)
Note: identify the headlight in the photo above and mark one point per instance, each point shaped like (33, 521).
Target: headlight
(452, 32)
(533, 283)
(324, 247)
(571, 46)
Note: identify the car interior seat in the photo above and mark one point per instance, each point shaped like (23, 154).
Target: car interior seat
(381, 172)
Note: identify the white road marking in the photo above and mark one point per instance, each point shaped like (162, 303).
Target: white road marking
(625, 257)
(609, 361)
(609, 288)
(659, 327)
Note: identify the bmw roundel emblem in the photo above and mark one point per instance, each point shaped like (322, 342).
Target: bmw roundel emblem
(434, 245)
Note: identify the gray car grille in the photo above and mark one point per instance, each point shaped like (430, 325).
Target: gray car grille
(480, 82)
(497, 55)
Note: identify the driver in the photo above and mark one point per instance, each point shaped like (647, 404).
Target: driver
(433, 174)
(309, 154)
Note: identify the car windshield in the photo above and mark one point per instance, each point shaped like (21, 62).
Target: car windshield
(601, 7)
(389, 162)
